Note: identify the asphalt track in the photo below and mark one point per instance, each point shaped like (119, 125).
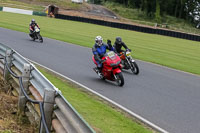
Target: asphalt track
(166, 97)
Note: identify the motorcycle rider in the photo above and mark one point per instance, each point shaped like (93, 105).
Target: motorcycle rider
(32, 27)
(99, 49)
(118, 45)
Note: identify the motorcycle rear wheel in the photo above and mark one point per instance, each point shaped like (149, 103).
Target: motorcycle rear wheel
(119, 79)
(135, 68)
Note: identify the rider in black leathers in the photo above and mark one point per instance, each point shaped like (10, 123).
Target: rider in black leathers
(32, 27)
(118, 45)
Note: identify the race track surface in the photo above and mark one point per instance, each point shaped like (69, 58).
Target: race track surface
(166, 97)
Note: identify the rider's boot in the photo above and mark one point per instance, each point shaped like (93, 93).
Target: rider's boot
(98, 71)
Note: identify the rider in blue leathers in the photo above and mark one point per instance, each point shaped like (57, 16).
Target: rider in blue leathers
(99, 49)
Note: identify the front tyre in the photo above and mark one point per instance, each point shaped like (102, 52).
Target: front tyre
(40, 37)
(119, 79)
(134, 68)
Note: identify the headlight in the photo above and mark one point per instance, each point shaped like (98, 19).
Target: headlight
(128, 53)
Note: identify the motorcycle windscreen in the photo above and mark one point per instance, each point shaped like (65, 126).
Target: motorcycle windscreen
(111, 55)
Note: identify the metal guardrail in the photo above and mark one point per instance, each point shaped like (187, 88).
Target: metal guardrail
(55, 111)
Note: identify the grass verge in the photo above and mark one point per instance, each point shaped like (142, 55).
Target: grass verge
(102, 117)
(21, 5)
(168, 51)
(39, 5)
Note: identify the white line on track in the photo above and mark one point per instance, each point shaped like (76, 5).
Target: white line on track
(157, 128)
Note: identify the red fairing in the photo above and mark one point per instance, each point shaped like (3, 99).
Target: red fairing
(111, 66)
(117, 70)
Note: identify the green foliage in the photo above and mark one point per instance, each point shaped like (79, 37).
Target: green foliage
(140, 17)
(157, 14)
(172, 52)
(176, 8)
(96, 1)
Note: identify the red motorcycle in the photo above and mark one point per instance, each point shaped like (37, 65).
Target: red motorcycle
(111, 68)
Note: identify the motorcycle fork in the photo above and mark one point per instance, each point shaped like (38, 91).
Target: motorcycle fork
(128, 61)
(115, 77)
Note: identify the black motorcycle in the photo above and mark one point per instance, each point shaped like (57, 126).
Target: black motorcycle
(36, 35)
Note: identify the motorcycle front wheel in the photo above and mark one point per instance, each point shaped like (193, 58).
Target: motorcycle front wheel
(119, 79)
(40, 38)
(134, 68)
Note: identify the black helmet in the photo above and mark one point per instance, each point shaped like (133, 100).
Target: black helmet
(33, 21)
(118, 40)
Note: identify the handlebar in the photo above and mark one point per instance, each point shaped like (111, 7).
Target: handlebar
(102, 61)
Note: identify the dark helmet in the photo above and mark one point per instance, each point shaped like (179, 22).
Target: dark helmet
(118, 40)
(33, 21)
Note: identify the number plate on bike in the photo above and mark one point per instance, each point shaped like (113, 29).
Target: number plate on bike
(111, 54)
(128, 53)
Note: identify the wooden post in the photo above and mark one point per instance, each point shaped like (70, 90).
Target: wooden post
(49, 100)
(25, 80)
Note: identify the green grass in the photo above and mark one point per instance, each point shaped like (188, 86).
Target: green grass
(168, 51)
(102, 117)
(39, 5)
(21, 5)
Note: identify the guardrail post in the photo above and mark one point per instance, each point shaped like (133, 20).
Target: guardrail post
(25, 80)
(49, 100)
(8, 60)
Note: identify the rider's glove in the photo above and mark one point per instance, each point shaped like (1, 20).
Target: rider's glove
(109, 43)
(128, 50)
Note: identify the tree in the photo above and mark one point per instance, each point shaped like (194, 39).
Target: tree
(192, 8)
(157, 13)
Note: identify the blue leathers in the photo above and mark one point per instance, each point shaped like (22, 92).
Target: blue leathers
(99, 52)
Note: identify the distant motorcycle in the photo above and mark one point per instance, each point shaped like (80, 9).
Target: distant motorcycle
(36, 34)
(111, 68)
(128, 62)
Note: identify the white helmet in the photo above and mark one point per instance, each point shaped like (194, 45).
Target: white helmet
(99, 40)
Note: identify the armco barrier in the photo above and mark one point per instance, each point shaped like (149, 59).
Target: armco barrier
(54, 112)
(159, 31)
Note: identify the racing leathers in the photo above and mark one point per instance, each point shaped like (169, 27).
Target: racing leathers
(99, 52)
(118, 47)
(32, 28)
